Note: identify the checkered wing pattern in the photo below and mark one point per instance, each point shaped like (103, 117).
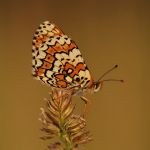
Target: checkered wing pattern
(57, 60)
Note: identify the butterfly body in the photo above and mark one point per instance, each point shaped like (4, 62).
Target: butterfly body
(57, 60)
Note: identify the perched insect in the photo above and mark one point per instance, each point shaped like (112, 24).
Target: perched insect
(58, 62)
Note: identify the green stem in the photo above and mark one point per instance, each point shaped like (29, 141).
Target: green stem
(64, 136)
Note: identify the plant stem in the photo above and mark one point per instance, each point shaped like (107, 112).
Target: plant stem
(64, 136)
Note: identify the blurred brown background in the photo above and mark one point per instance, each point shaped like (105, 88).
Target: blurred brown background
(107, 33)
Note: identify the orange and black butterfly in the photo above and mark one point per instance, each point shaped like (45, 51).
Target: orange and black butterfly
(57, 61)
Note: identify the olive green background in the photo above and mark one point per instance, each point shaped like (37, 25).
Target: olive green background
(107, 33)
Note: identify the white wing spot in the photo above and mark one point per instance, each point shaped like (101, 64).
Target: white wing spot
(33, 62)
(58, 56)
(69, 70)
(41, 55)
(43, 47)
(49, 74)
(57, 63)
(69, 79)
(39, 63)
(55, 69)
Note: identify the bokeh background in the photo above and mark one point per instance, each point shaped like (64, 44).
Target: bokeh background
(107, 33)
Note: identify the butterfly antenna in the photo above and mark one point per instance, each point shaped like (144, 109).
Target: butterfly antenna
(113, 80)
(108, 72)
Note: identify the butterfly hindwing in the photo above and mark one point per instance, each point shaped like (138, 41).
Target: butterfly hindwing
(57, 60)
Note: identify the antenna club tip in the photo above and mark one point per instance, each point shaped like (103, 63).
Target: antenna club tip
(116, 66)
(122, 81)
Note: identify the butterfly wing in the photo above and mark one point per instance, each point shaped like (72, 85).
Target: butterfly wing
(57, 60)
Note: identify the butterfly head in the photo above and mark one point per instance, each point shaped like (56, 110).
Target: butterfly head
(96, 86)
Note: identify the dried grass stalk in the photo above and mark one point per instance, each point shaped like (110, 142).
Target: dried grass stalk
(59, 121)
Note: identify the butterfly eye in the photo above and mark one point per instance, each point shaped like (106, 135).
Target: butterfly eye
(97, 87)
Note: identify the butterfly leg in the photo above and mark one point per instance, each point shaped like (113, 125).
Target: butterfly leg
(74, 89)
(86, 101)
(58, 94)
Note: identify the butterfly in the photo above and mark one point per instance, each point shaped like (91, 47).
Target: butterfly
(58, 62)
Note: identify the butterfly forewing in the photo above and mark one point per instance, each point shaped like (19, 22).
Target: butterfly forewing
(57, 60)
